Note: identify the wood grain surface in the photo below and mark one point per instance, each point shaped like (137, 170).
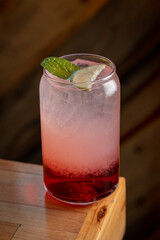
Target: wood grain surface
(8, 230)
(145, 103)
(30, 30)
(125, 31)
(141, 166)
(28, 212)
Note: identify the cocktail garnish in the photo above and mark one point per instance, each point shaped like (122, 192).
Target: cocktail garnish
(59, 67)
(84, 77)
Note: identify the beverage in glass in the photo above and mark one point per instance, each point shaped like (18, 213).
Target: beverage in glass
(80, 133)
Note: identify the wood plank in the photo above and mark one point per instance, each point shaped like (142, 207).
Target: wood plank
(37, 233)
(141, 167)
(42, 223)
(123, 38)
(101, 219)
(139, 76)
(135, 50)
(154, 236)
(146, 49)
(29, 31)
(32, 216)
(23, 201)
(140, 107)
(7, 230)
(16, 141)
(26, 186)
(147, 221)
(21, 167)
(26, 125)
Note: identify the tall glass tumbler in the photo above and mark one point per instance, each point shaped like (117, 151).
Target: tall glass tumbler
(80, 133)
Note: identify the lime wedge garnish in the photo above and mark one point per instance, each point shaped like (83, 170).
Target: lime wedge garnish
(84, 77)
(59, 67)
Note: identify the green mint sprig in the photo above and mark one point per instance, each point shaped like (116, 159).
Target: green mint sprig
(59, 67)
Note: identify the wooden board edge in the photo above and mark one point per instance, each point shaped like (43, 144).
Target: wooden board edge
(107, 218)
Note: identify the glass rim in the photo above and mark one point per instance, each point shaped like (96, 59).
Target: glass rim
(67, 83)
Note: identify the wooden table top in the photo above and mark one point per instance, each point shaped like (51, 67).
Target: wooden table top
(28, 212)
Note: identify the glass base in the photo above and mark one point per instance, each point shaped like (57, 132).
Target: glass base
(82, 203)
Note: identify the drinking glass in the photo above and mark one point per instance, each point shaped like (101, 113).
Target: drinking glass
(80, 133)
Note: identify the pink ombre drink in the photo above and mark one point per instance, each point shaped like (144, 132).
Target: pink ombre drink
(80, 133)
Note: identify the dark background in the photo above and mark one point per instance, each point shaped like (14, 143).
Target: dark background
(127, 32)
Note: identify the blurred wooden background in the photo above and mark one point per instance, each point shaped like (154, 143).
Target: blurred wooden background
(127, 32)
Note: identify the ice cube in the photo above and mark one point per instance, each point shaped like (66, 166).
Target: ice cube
(82, 65)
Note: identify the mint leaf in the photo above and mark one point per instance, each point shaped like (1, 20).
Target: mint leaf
(59, 67)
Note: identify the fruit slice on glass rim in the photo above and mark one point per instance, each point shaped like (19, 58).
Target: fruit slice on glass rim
(84, 77)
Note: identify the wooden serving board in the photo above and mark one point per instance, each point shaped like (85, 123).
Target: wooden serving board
(28, 212)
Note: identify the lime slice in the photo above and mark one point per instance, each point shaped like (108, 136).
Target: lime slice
(84, 77)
